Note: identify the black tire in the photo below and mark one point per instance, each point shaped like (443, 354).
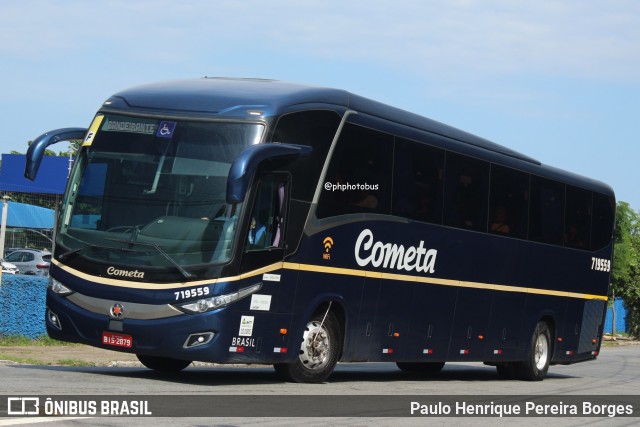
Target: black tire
(163, 364)
(536, 365)
(428, 368)
(319, 352)
(506, 371)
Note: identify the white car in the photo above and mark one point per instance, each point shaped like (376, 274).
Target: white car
(31, 261)
(7, 267)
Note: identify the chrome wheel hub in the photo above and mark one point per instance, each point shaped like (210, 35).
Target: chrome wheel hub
(315, 348)
(541, 352)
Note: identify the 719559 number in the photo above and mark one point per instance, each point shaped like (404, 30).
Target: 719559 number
(192, 293)
(600, 264)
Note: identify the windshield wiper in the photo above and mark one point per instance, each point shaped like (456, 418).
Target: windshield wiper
(161, 251)
(92, 246)
(182, 271)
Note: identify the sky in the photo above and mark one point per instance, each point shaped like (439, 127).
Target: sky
(556, 80)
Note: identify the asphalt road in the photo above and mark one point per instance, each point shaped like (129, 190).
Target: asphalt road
(616, 372)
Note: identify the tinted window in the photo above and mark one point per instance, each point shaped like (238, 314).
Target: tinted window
(418, 181)
(313, 128)
(603, 215)
(466, 191)
(359, 176)
(509, 202)
(577, 225)
(547, 211)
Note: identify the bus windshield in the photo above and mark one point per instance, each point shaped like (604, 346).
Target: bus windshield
(152, 192)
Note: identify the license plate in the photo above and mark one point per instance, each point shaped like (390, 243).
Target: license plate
(117, 340)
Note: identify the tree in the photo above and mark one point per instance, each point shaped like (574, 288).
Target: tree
(625, 277)
(74, 147)
(622, 255)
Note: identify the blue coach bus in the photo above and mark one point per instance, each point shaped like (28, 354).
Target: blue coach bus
(256, 221)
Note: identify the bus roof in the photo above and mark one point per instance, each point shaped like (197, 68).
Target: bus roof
(235, 97)
(242, 97)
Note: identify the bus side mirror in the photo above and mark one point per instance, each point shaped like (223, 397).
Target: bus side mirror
(245, 165)
(39, 145)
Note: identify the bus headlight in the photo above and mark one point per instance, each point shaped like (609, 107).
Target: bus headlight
(59, 288)
(219, 301)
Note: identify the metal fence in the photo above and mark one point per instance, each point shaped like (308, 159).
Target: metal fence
(32, 238)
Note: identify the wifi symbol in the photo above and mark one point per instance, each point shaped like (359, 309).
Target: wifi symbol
(328, 243)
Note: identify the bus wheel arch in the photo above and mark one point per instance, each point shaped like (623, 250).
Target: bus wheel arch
(320, 347)
(338, 310)
(539, 353)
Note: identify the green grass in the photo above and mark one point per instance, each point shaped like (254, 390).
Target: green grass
(17, 340)
(31, 361)
(74, 362)
(23, 360)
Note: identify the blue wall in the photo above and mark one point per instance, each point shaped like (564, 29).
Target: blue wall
(22, 305)
(621, 313)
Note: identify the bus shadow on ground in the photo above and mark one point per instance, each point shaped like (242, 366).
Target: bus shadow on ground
(255, 375)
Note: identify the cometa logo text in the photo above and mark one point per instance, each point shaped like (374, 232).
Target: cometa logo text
(391, 255)
(112, 271)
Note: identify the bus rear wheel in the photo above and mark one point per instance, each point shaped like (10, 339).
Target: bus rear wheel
(429, 368)
(536, 365)
(163, 364)
(318, 354)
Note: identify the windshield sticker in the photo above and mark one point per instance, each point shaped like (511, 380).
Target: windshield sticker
(165, 129)
(246, 326)
(91, 133)
(260, 302)
(130, 126)
(268, 277)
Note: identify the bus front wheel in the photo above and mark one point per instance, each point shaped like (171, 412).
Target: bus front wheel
(536, 365)
(318, 353)
(163, 364)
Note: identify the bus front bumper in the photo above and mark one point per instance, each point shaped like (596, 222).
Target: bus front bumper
(201, 337)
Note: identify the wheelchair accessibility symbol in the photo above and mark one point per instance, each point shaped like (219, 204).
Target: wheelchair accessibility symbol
(165, 129)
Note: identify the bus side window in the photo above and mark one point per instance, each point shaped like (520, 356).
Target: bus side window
(508, 202)
(359, 176)
(577, 225)
(466, 192)
(418, 180)
(604, 208)
(546, 211)
(266, 222)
